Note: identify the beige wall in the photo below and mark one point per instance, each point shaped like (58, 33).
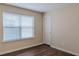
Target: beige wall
(65, 28)
(7, 46)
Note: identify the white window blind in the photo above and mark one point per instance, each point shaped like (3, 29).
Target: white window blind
(17, 26)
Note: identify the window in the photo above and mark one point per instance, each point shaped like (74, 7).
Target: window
(17, 26)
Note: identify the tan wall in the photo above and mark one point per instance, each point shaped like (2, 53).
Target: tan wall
(6, 46)
(65, 28)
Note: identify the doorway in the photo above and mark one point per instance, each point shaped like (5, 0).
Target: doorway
(48, 30)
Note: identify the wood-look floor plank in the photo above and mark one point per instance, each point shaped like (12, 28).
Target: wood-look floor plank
(41, 50)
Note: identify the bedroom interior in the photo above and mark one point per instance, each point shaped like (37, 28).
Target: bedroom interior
(39, 29)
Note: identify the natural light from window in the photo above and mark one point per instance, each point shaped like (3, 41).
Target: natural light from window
(17, 26)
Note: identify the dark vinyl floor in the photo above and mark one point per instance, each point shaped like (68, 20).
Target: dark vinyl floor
(41, 50)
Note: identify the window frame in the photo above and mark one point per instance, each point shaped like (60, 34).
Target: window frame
(34, 29)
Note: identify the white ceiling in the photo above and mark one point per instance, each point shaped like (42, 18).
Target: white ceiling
(41, 7)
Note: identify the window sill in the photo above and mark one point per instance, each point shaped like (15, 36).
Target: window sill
(19, 40)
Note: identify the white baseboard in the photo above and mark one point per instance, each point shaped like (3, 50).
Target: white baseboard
(65, 50)
(9, 51)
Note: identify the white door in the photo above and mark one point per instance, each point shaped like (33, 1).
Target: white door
(47, 30)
